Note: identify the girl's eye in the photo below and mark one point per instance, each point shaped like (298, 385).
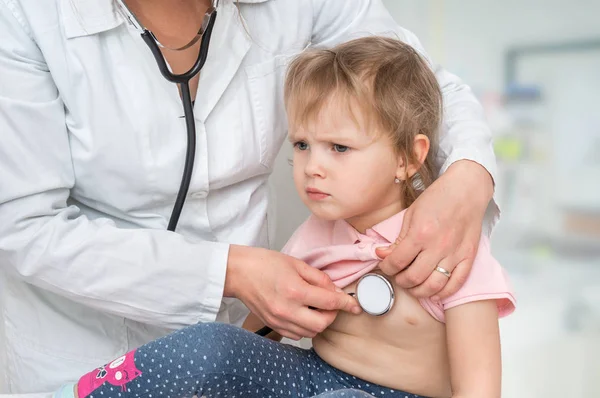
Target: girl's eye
(340, 148)
(301, 145)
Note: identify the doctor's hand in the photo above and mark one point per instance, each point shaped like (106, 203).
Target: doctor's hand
(279, 289)
(442, 228)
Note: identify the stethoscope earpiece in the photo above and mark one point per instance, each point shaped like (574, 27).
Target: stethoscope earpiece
(375, 294)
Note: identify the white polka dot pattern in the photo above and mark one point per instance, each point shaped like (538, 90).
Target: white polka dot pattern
(216, 360)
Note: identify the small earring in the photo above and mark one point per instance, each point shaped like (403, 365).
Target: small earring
(396, 180)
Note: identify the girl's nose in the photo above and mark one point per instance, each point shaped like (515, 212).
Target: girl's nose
(314, 166)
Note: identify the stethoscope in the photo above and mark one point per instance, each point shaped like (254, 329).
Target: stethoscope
(374, 293)
(183, 81)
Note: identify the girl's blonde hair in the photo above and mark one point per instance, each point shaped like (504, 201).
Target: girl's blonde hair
(391, 83)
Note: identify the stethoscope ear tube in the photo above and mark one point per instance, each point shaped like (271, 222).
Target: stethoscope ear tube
(202, 54)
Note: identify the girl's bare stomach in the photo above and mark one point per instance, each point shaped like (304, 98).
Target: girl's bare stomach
(404, 349)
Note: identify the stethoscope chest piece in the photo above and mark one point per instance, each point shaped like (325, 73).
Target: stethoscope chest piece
(375, 294)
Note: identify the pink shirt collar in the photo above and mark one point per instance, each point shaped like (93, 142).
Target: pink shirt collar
(339, 250)
(388, 229)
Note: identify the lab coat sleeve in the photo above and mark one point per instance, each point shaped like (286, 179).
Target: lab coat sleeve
(152, 276)
(464, 133)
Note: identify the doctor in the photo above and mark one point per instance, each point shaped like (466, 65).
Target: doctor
(92, 144)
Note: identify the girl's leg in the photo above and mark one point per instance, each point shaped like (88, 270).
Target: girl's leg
(208, 359)
(211, 360)
(219, 360)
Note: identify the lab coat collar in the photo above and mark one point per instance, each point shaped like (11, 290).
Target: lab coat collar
(89, 17)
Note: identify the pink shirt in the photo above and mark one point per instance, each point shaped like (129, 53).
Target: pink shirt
(345, 254)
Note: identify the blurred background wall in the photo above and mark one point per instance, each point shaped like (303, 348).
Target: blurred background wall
(535, 66)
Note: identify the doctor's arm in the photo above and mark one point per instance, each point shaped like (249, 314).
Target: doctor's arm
(473, 340)
(442, 228)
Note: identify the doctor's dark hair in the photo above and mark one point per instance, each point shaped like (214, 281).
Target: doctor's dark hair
(392, 85)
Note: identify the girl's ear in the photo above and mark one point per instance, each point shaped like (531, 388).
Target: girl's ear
(420, 149)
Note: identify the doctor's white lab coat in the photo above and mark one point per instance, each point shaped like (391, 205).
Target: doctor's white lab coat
(92, 144)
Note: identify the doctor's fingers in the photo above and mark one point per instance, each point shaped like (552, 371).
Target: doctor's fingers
(323, 299)
(314, 276)
(437, 279)
(293, 332)
(459, 276)
(287, 326)
(419, 270)
(314, 320)
(404, 252)
(305, 323)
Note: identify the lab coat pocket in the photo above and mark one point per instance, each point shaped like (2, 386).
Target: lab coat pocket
(265, 90)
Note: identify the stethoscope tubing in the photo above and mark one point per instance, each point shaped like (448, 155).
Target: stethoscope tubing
(183, 81)
(190, 154)
(195, 69)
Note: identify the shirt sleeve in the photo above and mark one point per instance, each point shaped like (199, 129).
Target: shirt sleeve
(152, 276)
(464, 135)
(487, 281)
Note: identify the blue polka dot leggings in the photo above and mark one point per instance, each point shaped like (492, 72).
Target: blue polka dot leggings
(220, 360)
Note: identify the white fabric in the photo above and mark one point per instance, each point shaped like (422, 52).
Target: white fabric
(91, 154)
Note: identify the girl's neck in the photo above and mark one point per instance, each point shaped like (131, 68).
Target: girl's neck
(362, 222)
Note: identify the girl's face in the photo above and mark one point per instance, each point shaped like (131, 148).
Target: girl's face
(344, 171)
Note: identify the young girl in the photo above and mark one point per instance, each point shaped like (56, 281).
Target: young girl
(363, 119)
